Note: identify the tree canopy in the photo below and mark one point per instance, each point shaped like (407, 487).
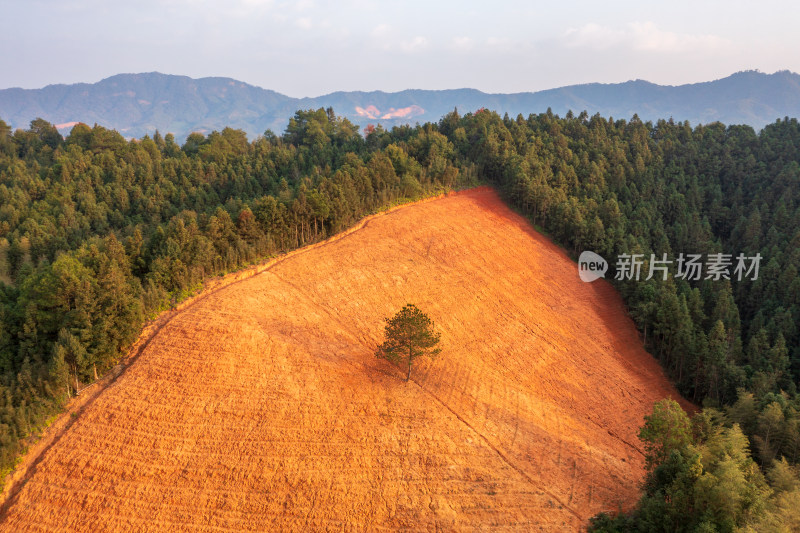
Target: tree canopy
(410, 334)
(665, 430)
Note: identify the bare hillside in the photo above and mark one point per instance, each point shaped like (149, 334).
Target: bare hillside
(261, 406)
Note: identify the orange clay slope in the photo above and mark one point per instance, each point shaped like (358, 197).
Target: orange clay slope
(261, 406)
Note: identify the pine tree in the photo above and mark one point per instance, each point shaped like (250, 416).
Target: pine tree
(409, 334)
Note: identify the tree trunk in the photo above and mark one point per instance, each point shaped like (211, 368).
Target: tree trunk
(408, 376)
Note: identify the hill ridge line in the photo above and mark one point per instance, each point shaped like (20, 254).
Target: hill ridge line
(139, 104)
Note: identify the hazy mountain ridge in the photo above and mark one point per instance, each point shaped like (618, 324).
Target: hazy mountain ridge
(138, 104)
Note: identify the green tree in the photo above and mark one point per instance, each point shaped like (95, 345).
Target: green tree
(667, 428)
(46, 132)
(409, 334)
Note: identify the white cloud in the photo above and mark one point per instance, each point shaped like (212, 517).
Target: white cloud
(415, 44)
(380, 30)
(498, 42)
(641, 36)
(303, 23)
(594, 36)
(258, 3)
(298, 6)
(462, 43)
(648, 37)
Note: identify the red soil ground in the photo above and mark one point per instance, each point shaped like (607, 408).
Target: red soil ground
(260, 405)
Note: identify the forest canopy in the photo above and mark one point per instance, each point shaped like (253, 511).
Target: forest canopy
(97, 233)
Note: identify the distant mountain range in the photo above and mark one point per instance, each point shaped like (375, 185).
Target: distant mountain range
(139, 104)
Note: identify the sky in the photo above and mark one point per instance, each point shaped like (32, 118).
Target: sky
(311, 47)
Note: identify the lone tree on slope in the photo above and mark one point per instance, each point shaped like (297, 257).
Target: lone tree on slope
(409, 334)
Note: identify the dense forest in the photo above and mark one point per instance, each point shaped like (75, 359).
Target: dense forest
(98, 233)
